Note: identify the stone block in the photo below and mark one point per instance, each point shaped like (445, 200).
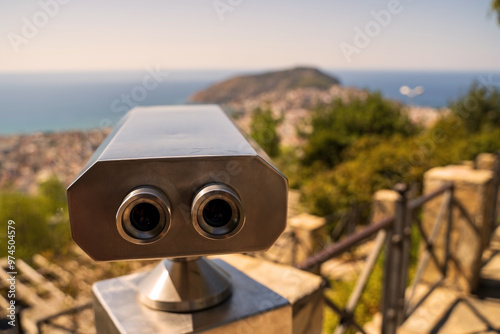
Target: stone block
(310, 233)
(472, 214)
(486, 161)
(303, 290)
(383, 204)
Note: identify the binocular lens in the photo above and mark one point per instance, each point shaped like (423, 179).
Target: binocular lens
(145, 217)
(217, 213)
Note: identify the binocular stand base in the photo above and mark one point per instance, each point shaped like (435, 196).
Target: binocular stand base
(185, 285)
(251, 307)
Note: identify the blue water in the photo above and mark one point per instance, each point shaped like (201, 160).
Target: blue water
(55, 102)
(440, 88)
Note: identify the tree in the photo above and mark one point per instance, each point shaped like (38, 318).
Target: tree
(369, 164)
(479, 109)
(263, 130)
(337, 125)
(495, 6)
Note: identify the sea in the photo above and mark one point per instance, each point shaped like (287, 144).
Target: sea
(51, 102)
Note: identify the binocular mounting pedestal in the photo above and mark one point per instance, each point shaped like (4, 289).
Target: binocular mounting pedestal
(248, 305)
(185, 285)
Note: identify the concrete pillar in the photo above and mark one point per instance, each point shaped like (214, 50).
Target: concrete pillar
(310, 235)
(486, 161)
(304, 236)
(470, 228)
(489, 161)
(383, 204)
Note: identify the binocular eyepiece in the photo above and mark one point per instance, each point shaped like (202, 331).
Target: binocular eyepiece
(145, 213)
(144, 216)
(217, 212)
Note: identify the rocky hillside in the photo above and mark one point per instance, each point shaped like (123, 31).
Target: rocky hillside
(244, 87)
(291, 93)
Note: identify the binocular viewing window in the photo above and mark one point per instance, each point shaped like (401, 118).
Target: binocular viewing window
(145, 214)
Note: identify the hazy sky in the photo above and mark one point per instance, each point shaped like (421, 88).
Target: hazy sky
(75, 35)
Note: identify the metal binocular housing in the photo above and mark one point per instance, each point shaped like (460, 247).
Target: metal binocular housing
(176, 181)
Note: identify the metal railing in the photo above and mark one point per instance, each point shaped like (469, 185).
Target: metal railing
(393, 232)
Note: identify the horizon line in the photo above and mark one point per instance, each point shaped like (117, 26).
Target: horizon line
(250, 69)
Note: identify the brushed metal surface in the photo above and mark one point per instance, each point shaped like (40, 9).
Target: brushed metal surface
(173, 131)
(177, 150)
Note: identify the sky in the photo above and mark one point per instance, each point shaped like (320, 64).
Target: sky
(118, 35)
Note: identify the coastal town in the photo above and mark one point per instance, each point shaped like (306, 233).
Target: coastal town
(28, 159)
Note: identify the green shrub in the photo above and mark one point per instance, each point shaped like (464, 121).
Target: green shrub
(41, 221)
(263, 130)
(337, 125)
(479, 109)
(372, 163)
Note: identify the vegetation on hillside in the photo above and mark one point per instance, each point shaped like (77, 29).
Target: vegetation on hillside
(41, 221)
(264, 130)
(354, 149)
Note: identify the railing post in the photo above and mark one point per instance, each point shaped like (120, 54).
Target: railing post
(352, 221)
(393, 299)
(449, 225)
(496, 185)
(405, 230)
(295, 245)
